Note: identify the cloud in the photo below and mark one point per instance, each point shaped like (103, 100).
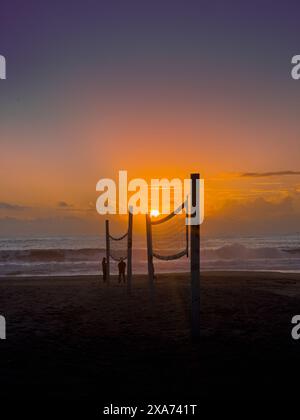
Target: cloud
(266, 174)
(49, 226)
(64, 205)
(254, 217)
(11, 207)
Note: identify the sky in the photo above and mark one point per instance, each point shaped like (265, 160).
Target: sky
(159, 88)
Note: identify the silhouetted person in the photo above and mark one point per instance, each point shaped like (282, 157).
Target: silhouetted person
(104, 269)
(122, 267)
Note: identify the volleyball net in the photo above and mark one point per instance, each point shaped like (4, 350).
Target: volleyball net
(169, 236)
(120, 247)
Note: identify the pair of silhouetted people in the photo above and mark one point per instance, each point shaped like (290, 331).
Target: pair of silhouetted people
(121, 267)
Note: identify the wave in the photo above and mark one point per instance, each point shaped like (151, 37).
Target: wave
(292, 250)
(226, 252)
(57, 261)
(241, 252)
(51, 255)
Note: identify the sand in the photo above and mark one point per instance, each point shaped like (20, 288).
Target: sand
(79, 339)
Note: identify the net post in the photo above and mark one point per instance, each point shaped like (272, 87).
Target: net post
(195, 262)
(150, 253)
(107, 249)
(129, 250)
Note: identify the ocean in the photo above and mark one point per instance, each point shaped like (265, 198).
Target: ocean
(82, 255)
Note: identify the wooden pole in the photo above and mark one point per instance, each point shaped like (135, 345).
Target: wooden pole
(129, 251)
(150, 254)
(107, 249)
(195, 261)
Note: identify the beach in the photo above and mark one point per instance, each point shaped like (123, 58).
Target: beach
(76, 338)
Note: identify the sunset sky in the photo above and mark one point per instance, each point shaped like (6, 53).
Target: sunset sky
(160, 88)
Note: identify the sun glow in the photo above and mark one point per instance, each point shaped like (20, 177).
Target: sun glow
(154, 213)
